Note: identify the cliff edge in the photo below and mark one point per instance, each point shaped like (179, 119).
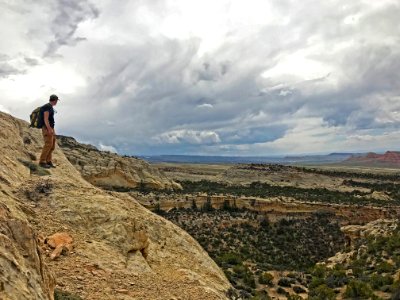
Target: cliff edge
(120, 249)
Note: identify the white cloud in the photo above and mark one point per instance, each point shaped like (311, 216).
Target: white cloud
(188, 136)
(103, 147)
(3, 109)
(284, 93)
(205, 105)
(206, 76)
(299, 65)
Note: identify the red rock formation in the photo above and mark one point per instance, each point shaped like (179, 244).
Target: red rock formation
(390, 158)
(372, 155)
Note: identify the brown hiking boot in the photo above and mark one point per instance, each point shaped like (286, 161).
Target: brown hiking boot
(44, 165)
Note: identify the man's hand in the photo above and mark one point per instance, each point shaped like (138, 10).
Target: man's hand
(50, 130)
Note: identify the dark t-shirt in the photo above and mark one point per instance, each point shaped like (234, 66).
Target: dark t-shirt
(47, 107)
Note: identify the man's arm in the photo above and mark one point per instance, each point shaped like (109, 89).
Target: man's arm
(46, 122)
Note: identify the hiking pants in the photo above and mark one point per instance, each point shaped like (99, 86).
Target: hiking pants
(49, 146)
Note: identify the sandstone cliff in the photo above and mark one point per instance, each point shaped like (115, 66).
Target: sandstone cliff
(121, 250)
(106, 169)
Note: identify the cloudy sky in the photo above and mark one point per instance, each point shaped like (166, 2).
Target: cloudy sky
(227, 77)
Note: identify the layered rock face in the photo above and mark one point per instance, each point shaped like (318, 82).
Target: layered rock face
(106, 169)
(23, 275)
(22, 272)
(121, 250)
(275, 208)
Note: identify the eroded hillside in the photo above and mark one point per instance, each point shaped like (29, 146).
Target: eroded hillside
(111, 234)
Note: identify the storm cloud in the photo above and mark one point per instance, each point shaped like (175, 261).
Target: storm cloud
(226, 78)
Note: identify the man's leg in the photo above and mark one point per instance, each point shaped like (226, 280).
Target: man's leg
(53, 146)
(48, 144)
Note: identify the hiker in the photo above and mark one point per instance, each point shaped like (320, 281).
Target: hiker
(49, 135)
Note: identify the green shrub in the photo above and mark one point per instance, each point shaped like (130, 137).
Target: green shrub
(384, 267)
(249, 280)
(231, 258)
(285, 282)
(319, 271)
(294, 297)
(336, 278)
(239, 270)
(298, 289)
(262, 295)
(358, 290)
(265, 278)
(281, 291)
(377, 281)
(322, 292)
(316, 282)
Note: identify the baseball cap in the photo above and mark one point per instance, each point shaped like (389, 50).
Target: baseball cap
(53, 98)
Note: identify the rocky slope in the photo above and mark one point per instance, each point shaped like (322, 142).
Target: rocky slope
(106, 169)
(121, 250)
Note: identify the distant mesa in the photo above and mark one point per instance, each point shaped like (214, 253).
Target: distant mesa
(388, 159)
(309, 159)
(318, 159)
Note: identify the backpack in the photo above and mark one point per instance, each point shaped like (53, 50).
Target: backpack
(36, 118)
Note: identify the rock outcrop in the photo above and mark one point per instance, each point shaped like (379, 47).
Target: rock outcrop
(380, 227)
(121, 250)
(110, 170)
(353, 233)
(59, 241)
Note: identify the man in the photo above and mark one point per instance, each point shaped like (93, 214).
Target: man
(49, 135)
